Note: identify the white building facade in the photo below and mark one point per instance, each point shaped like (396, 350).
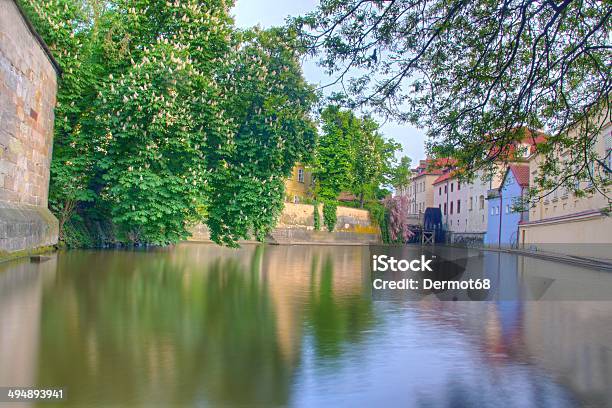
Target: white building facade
(463, 206)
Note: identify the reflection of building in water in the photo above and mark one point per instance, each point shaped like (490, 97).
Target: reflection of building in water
(20, 310)
(573, 340)
(545, 280)
(569, 341)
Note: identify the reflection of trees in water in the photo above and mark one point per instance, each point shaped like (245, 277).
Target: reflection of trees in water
(142, 328)
(148, 326)
(335, 321)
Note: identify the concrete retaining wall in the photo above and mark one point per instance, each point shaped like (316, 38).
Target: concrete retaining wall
(24, 227)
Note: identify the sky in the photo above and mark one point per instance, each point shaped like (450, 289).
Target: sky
(267, 13)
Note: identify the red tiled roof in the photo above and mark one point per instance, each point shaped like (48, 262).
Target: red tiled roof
(433, 167)
(531, 138)
(540, 138)
(434, 172)
(444, 177)
(521, 174)
(445, 162)
(346, 196)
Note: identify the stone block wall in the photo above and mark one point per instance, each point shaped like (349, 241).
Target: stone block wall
(296, 226)
(28, 86)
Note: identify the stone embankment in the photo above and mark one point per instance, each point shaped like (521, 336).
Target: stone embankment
(296, 226)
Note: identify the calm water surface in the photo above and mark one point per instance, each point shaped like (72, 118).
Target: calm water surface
(199, 325)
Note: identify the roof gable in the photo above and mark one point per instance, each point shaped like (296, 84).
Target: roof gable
(520, 174)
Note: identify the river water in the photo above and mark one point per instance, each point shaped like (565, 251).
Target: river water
(200, 325)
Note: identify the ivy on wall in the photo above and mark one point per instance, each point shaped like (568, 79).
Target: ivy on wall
(329, 214)
(317, 218)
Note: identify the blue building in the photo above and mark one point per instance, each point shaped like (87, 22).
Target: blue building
(503, 220)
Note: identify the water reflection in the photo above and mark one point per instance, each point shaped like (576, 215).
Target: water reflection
(289, 325)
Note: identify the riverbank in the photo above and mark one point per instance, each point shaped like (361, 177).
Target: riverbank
(557, 257)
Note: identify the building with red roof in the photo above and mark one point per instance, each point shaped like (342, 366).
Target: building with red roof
(562, 221)
(420, 190)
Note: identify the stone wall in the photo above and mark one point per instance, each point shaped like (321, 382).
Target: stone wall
(28, 85)
(296, 226)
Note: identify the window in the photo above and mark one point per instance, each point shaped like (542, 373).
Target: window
(492, 210)
(440, 206)
(609, 152)
(458, 185)
(481, 202)
(440, 191)
(496, 209)
(591, 174)
(451, 187)
(444, 208)
(301, 175)
(458, 206)
(471, 203)
(451, 207)
(445, 187)
(507, 209)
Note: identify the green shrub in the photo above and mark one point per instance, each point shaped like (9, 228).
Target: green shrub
(75, 233)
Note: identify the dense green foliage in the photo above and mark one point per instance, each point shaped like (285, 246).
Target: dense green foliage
(167, 116)
(334, 154)
(352, 156)
(270, 132)
(402, 175)
(473, 71)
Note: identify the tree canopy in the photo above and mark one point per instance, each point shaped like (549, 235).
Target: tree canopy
(352, 156)
(168, 115)
(472, 72)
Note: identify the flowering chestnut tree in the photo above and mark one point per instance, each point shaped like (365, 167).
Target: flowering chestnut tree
(167, 116)
(267, 106)
(156, 118)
